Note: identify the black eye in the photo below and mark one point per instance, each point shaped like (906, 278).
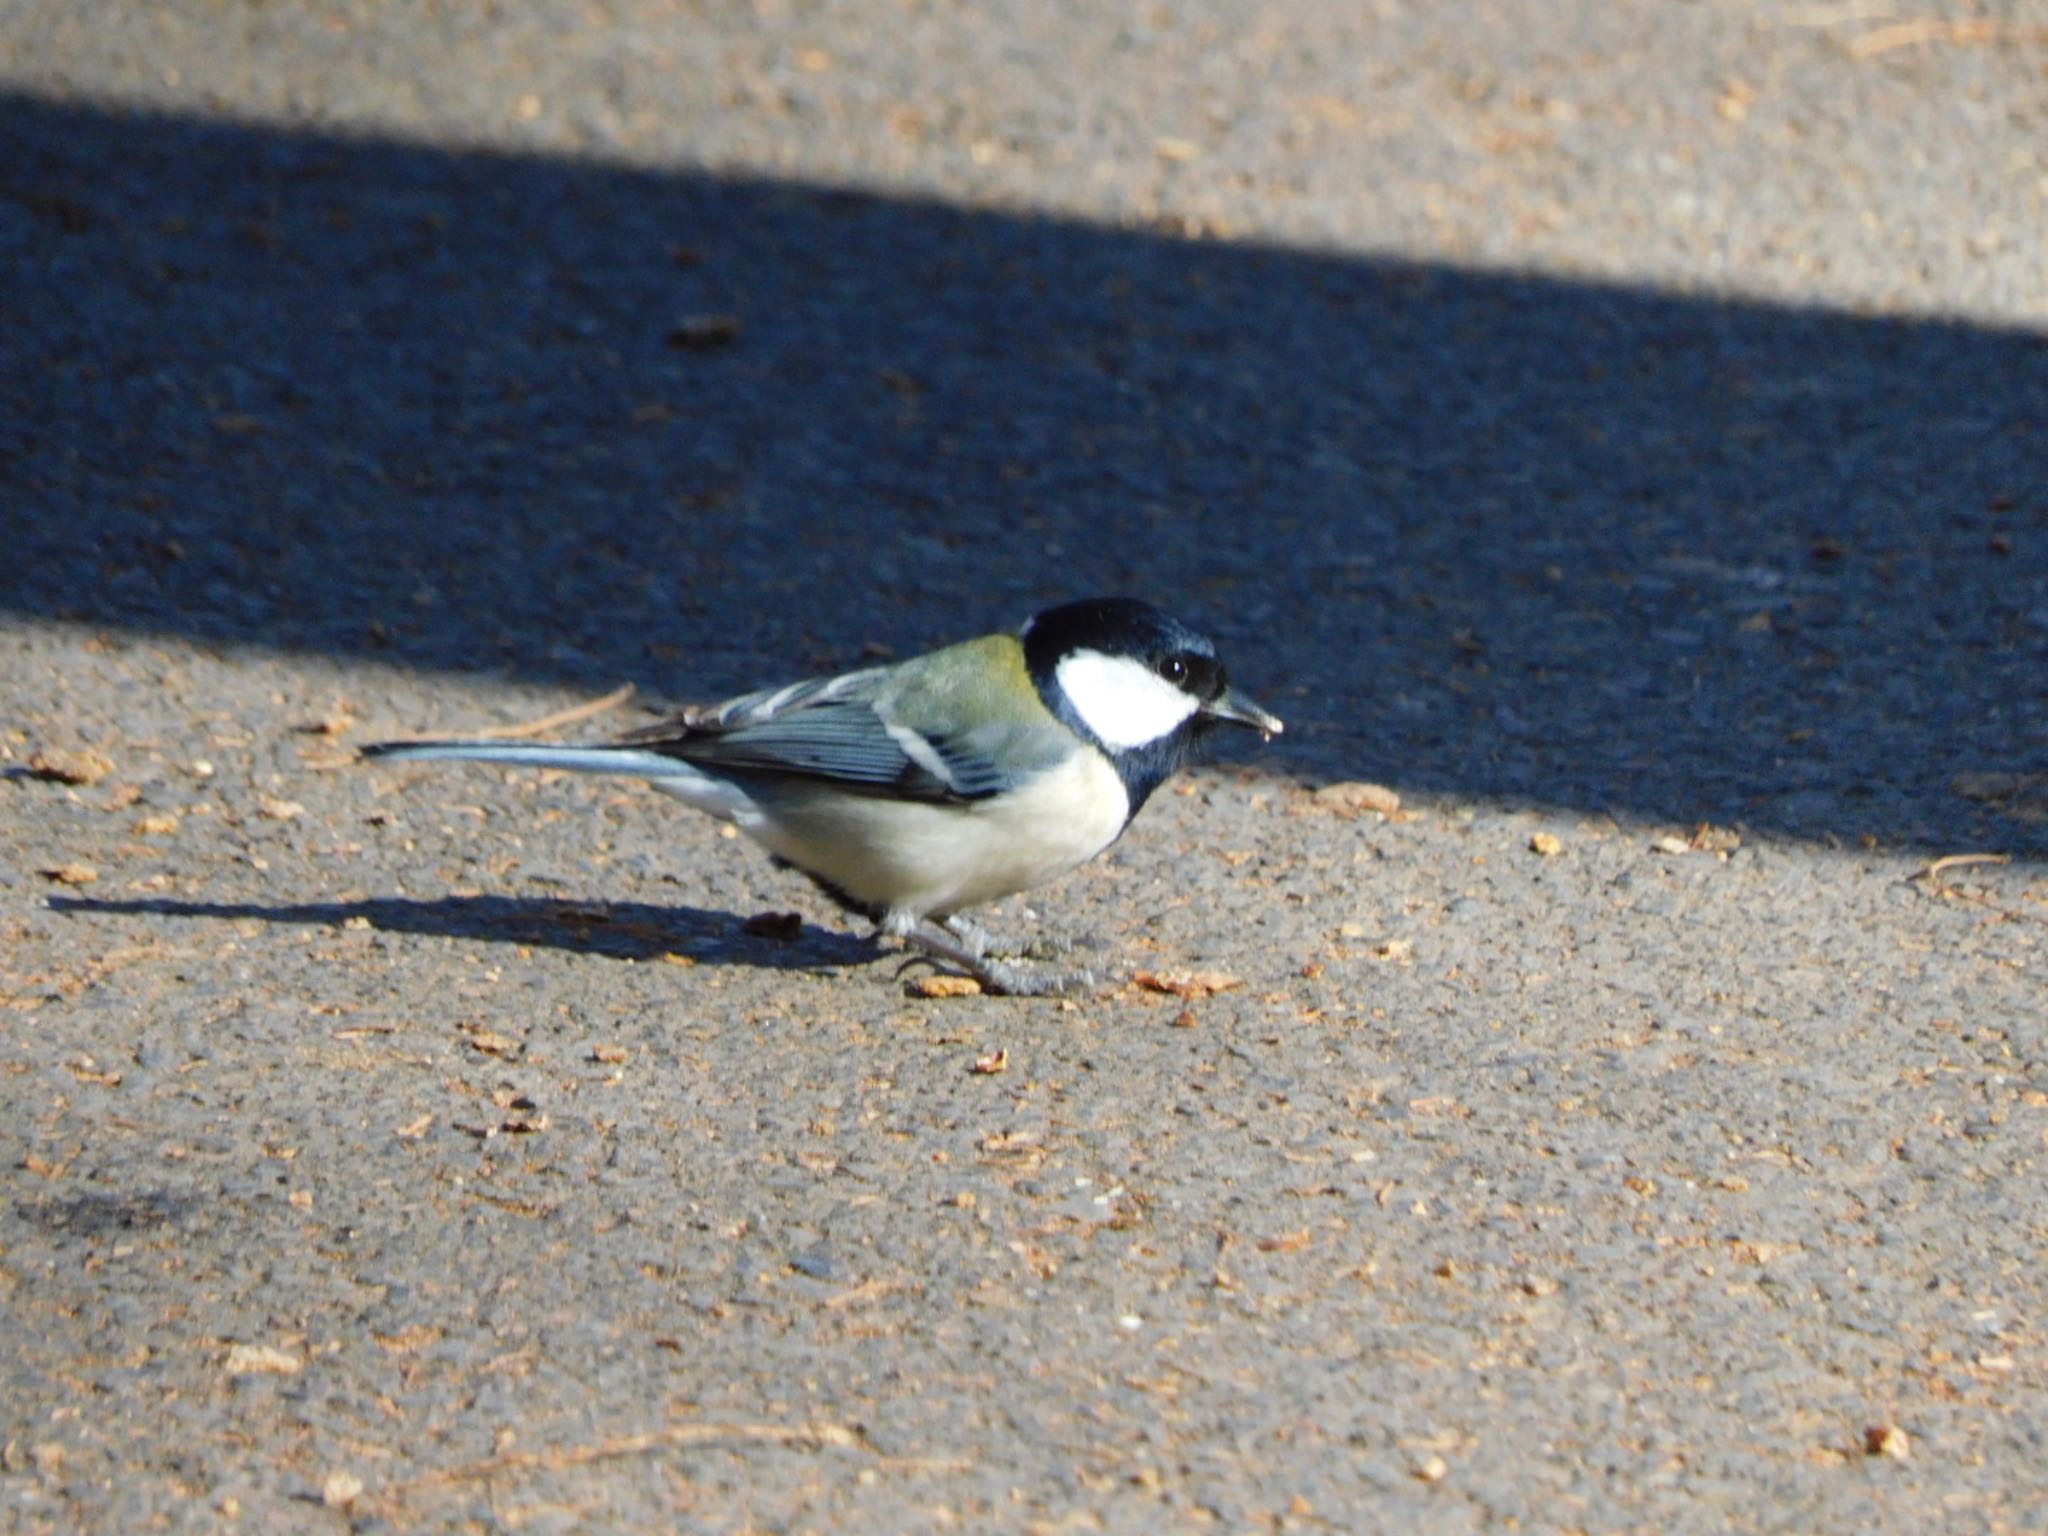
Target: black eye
(1174, 670)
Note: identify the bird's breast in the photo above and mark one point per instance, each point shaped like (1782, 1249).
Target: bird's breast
(909, 859)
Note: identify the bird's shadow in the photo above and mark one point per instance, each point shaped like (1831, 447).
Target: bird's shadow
(617, 930)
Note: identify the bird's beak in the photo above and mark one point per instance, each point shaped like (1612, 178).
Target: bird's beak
(1238, 709)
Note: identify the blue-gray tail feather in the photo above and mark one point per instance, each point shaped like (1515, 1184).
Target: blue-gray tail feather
(633, 761)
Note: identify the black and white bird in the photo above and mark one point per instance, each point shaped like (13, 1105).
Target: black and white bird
(915, 791)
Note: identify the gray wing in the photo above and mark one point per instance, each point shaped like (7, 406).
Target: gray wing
(834, 729)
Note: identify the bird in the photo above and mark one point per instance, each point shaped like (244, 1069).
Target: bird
(915, 791)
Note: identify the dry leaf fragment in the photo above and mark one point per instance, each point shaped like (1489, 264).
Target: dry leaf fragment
(1187, 984)
(995, 1061)
(1887, 1440)
(1351, 799)
(78, 765)
(261, 1360)
(70, 874)
(946, 986)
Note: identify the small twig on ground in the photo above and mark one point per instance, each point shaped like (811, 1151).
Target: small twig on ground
(561, 717)
(1932, 873)
(1932, 29)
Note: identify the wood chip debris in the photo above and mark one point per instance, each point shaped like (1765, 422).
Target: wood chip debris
(1887, 1440)
(1186, 984)
(70, 874)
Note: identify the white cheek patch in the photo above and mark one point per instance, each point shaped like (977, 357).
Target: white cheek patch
(1124, 702)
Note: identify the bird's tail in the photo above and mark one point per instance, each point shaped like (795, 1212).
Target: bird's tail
(636, 762)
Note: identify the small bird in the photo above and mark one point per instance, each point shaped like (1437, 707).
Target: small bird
(912, 792)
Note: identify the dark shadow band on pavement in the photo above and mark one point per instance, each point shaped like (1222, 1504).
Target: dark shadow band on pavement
(618, 930)
(1484, 535)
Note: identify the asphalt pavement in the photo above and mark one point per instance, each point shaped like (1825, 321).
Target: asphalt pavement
(1594, 1076)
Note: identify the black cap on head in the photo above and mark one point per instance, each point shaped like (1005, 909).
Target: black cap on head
(1123, 626)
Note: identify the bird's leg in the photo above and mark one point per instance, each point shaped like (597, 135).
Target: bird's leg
(943, 941)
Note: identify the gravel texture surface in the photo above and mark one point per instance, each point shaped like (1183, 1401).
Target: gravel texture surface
(1618, 430)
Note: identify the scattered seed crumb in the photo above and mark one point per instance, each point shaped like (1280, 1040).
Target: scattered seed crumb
(946, 986)
(165, 825)
(1546, 843)
(1669, 844)
(1432, 1469)
(70, 874)
(1399, 951)
(995, 1061)
(340, 1490)
(270, 808)
(609, 1053)
(1887, 1440)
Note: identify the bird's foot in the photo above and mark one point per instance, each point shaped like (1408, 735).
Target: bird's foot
(987, 945)
(1006, 975)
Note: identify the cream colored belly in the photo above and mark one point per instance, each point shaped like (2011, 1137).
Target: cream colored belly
(910, 860)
